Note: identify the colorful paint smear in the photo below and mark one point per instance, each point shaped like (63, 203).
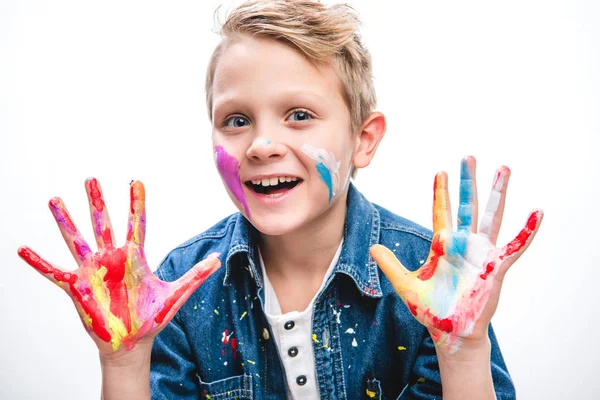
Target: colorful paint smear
(326, 165)
(450, 291)
(228, 167)
(118, 297)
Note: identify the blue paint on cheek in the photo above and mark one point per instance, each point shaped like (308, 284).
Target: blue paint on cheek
(268, 143)
(326, 176)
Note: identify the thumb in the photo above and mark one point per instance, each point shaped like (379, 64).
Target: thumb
(399, 276)
(186, 285)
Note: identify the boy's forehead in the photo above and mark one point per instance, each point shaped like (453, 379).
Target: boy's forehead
(266, 67)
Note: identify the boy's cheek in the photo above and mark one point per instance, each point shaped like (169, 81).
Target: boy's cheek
(228, 167)
(327, 166)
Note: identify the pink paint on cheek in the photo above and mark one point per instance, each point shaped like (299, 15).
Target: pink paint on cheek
(228, 167)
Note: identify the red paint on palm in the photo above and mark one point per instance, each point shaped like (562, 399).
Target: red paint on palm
(437, 250)
(114, 260)
(488, 268)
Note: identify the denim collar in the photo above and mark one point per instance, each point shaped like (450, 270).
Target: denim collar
(361, 231)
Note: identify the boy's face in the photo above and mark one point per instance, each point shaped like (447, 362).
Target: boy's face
(276, 115)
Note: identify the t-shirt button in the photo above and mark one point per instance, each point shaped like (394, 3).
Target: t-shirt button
(301, 380)
(289, 325)
(293, 351)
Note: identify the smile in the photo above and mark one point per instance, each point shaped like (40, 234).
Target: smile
(273, 186)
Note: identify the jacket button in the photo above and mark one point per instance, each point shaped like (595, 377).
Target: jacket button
(301, 380)
(293, 351)
(289, 325)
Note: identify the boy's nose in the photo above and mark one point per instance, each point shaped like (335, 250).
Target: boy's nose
(266, 150)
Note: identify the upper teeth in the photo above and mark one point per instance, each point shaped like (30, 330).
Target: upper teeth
(274, 181)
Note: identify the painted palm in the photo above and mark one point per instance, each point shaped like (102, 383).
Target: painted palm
(456, 291)
(119, 299)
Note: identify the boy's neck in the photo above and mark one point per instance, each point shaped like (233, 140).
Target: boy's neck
(305, 254)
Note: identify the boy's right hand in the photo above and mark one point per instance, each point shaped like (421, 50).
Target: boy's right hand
(119, 299)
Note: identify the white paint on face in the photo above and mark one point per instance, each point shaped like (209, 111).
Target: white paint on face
(328, 160)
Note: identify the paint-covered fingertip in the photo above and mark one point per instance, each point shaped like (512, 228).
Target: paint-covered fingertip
(28, 255)
(138, 191)
(55, 202)
(215, 254)
(501, 178)
(381, 254)
(441, 180)
(467, 168)
(469, 160)
(535, 218)
(22, 251)
(90, 180)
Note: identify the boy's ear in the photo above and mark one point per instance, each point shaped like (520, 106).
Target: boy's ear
(370, 134)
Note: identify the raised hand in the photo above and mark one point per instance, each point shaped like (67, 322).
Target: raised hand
(119, 299)
(456, 292)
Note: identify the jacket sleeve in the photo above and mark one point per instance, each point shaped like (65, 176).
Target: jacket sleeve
(425, 381)
(173, 373)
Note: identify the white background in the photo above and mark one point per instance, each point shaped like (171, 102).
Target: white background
(115, 90)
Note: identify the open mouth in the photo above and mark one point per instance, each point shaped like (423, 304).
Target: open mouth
(273, 186)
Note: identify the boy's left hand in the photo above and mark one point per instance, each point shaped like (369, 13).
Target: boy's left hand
(456, 291)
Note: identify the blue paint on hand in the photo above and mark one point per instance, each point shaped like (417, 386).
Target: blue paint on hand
(465, 206)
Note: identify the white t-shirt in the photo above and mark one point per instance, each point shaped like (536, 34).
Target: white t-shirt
(293, 335)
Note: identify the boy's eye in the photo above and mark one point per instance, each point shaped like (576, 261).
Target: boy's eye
(300, 115)
(236, 122)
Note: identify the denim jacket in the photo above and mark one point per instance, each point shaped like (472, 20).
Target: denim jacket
(366, 343)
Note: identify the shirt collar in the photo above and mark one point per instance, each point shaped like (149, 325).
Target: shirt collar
(361, 231)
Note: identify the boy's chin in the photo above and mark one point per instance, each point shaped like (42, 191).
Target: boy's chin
(276, 225)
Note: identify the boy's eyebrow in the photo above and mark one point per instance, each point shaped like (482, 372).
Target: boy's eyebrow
(233, 101)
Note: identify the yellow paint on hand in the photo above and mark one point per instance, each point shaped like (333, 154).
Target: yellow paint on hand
(401, 348)
(371, 394)
(314, 338)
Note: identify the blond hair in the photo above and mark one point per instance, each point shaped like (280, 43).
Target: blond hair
(321, 34)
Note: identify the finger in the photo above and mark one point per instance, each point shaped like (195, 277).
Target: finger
(54, 274)
(513, 250)
(75, 241)
(398, 275)
(492, 218)
(442, 217)
(186, 285)
(136, 227)
(467, 208)
(98, 212)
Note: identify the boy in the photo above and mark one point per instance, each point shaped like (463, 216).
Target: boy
(299, 308)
